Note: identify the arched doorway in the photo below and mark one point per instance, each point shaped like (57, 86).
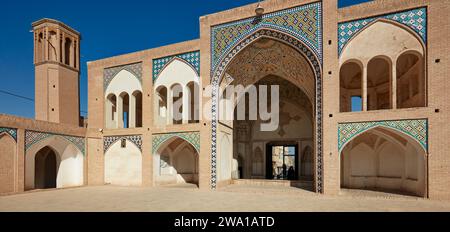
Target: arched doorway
(176, 162)
(46, 169)
(264, 63)
(386, 160)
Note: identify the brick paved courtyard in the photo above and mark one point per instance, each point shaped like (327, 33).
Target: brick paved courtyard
(188, 199)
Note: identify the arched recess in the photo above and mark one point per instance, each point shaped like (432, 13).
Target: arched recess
(111, 111)
(53, 41)
(313, 63)
(161, 111)
(136, 104)
(351, 86)
(182, 75)
(226, 158)
(411, 81)
(177, 98)
(194, 101)
(381, 37)
(384, 159)
(124, 110)
(69, 162)
(379, 82)
(378, 47)
(123, 84)
(68, 52)
(8, 164)
(307, 164)
(175, 161)
(258, 163)
(123, 164)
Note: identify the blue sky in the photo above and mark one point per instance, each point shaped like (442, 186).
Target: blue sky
(108, 28)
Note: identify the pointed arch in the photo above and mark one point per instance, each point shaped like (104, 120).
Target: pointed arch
(69, 160)
(175, 162)
(176, 58)
(384, 159)
(192, 138)
(217, 75)
(177, 70)
(123, 163)
(416, 129)
(371, 25)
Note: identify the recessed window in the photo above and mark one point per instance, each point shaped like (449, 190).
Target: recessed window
(356, 102)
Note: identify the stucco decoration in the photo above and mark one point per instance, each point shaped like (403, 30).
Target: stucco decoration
(416, 129)
(191, 58)
(33, 137)
(110, 73)
(10, 131)
(191, 137)
(314, 62)
(110, 140)
(302, 22)
(415, 19)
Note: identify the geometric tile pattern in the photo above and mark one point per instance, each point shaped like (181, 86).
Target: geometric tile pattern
(33, 137)
(416, 129)
(415, 19)
(10, 131)
(110, 73)
(191, 58)
(220, 70)
(303, 22)
(110, 140)
(191, 137)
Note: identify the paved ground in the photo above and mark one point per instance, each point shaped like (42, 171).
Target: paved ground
(189, 199)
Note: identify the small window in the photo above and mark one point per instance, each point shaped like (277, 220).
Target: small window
(123, 143)
(356, 103)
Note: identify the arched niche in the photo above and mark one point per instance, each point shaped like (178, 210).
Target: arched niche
(69, 162)
(123, 164)
(351, 86)
(176, 162)
(384, 159)
(124, 85)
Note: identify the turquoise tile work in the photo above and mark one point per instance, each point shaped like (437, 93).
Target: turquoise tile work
(12, 132)
(110, 140)
(191, 137)
(33, 137)
(303, 22)
(192, 58)
(415, 19)
(416, 129)
(110, 73)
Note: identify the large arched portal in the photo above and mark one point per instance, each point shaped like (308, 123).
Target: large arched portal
(273, 154)
(384, 160)
(176, 162)
(46, 168)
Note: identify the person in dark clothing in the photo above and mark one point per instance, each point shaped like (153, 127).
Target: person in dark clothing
(291, 173)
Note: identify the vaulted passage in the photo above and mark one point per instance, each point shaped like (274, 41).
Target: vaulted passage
(384, 160)
(45, 169)
(283, 153)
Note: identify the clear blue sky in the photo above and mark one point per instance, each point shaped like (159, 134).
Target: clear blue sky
(108, 28)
